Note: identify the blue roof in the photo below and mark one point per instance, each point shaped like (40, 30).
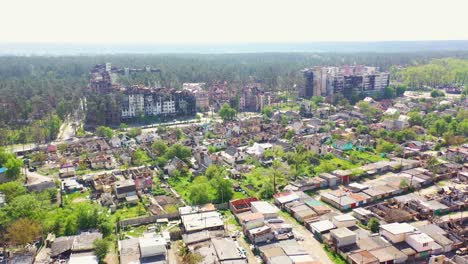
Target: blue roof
(2, 170)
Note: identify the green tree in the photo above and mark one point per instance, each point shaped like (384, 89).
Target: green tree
(384, 146)
(227, 113)
(374, 225)
(13, 166)
(389, 93)
(23, 231)
(437, 93)
(361, 129)
(289, 134)
(462, 128)
(367, 109)
(104, 131)
(123, 126)
(101, 248)
(159, 147)
(134, 132)
(267, 190)
(223, 189)
(214, 171)
(438, 128)
(415, 119)
(267, 111)
(12, 189)
(27, 206)
(62, 110)
(140, 157)
(180, 151)
(198, 193)
(39, 157)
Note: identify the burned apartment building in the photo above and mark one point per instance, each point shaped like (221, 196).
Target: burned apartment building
(145, 101)
(112, 102)
(202, 96)
(349, 81)
(253, 98)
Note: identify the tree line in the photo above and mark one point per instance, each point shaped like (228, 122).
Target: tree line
(36, 89)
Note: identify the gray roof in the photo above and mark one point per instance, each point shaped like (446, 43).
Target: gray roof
(128, 251)
(342, 232)
(292, 248)
(226, 249)
(436, 233)
(61, 245)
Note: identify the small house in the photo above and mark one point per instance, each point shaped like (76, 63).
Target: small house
(124, 188)
(331, 179)
(396, 232)
(345, 220)
(260, 234)
(320, 228)
(268, 210)
(342, 237)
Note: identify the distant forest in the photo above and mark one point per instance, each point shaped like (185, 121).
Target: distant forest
(38, 92)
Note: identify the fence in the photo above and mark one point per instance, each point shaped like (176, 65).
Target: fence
(144, 220)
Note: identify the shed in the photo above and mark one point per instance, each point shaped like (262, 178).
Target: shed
(343, 237)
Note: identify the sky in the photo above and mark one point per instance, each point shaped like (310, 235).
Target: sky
(233, 21)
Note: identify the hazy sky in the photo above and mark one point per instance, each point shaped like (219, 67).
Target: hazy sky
(220, 21)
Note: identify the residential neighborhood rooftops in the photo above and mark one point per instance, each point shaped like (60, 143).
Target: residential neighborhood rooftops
(201, 221)
(388, 253)
(80, 258)
(264, 207)
(421, 238)
(342, 232)
(322, 226)
(363, 257)
(128, 251)
(226, 249)
(286, 197)
(398, 228)
(344, 217)
(150, 247)
(248, 216)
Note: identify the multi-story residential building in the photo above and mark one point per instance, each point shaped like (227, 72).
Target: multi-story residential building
(144, 101)
(137, 101)
(253, 98)
(346, 80)
(202, 96)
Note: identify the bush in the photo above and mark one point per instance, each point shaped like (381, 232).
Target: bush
(373, 225)
(101, 247)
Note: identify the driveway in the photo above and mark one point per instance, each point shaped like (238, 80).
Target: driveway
(310, 244)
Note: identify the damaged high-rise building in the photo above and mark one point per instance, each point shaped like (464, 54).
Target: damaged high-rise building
(349, 81)
(253, 98)
(132, 101)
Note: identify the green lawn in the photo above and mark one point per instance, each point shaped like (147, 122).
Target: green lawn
(328, 165)
(238, 195)
(76, 197)
(334, 257)
(290, 106)
(227, 214)
(48, 172)
(136, 231)
(130, 211)
(366, 156)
